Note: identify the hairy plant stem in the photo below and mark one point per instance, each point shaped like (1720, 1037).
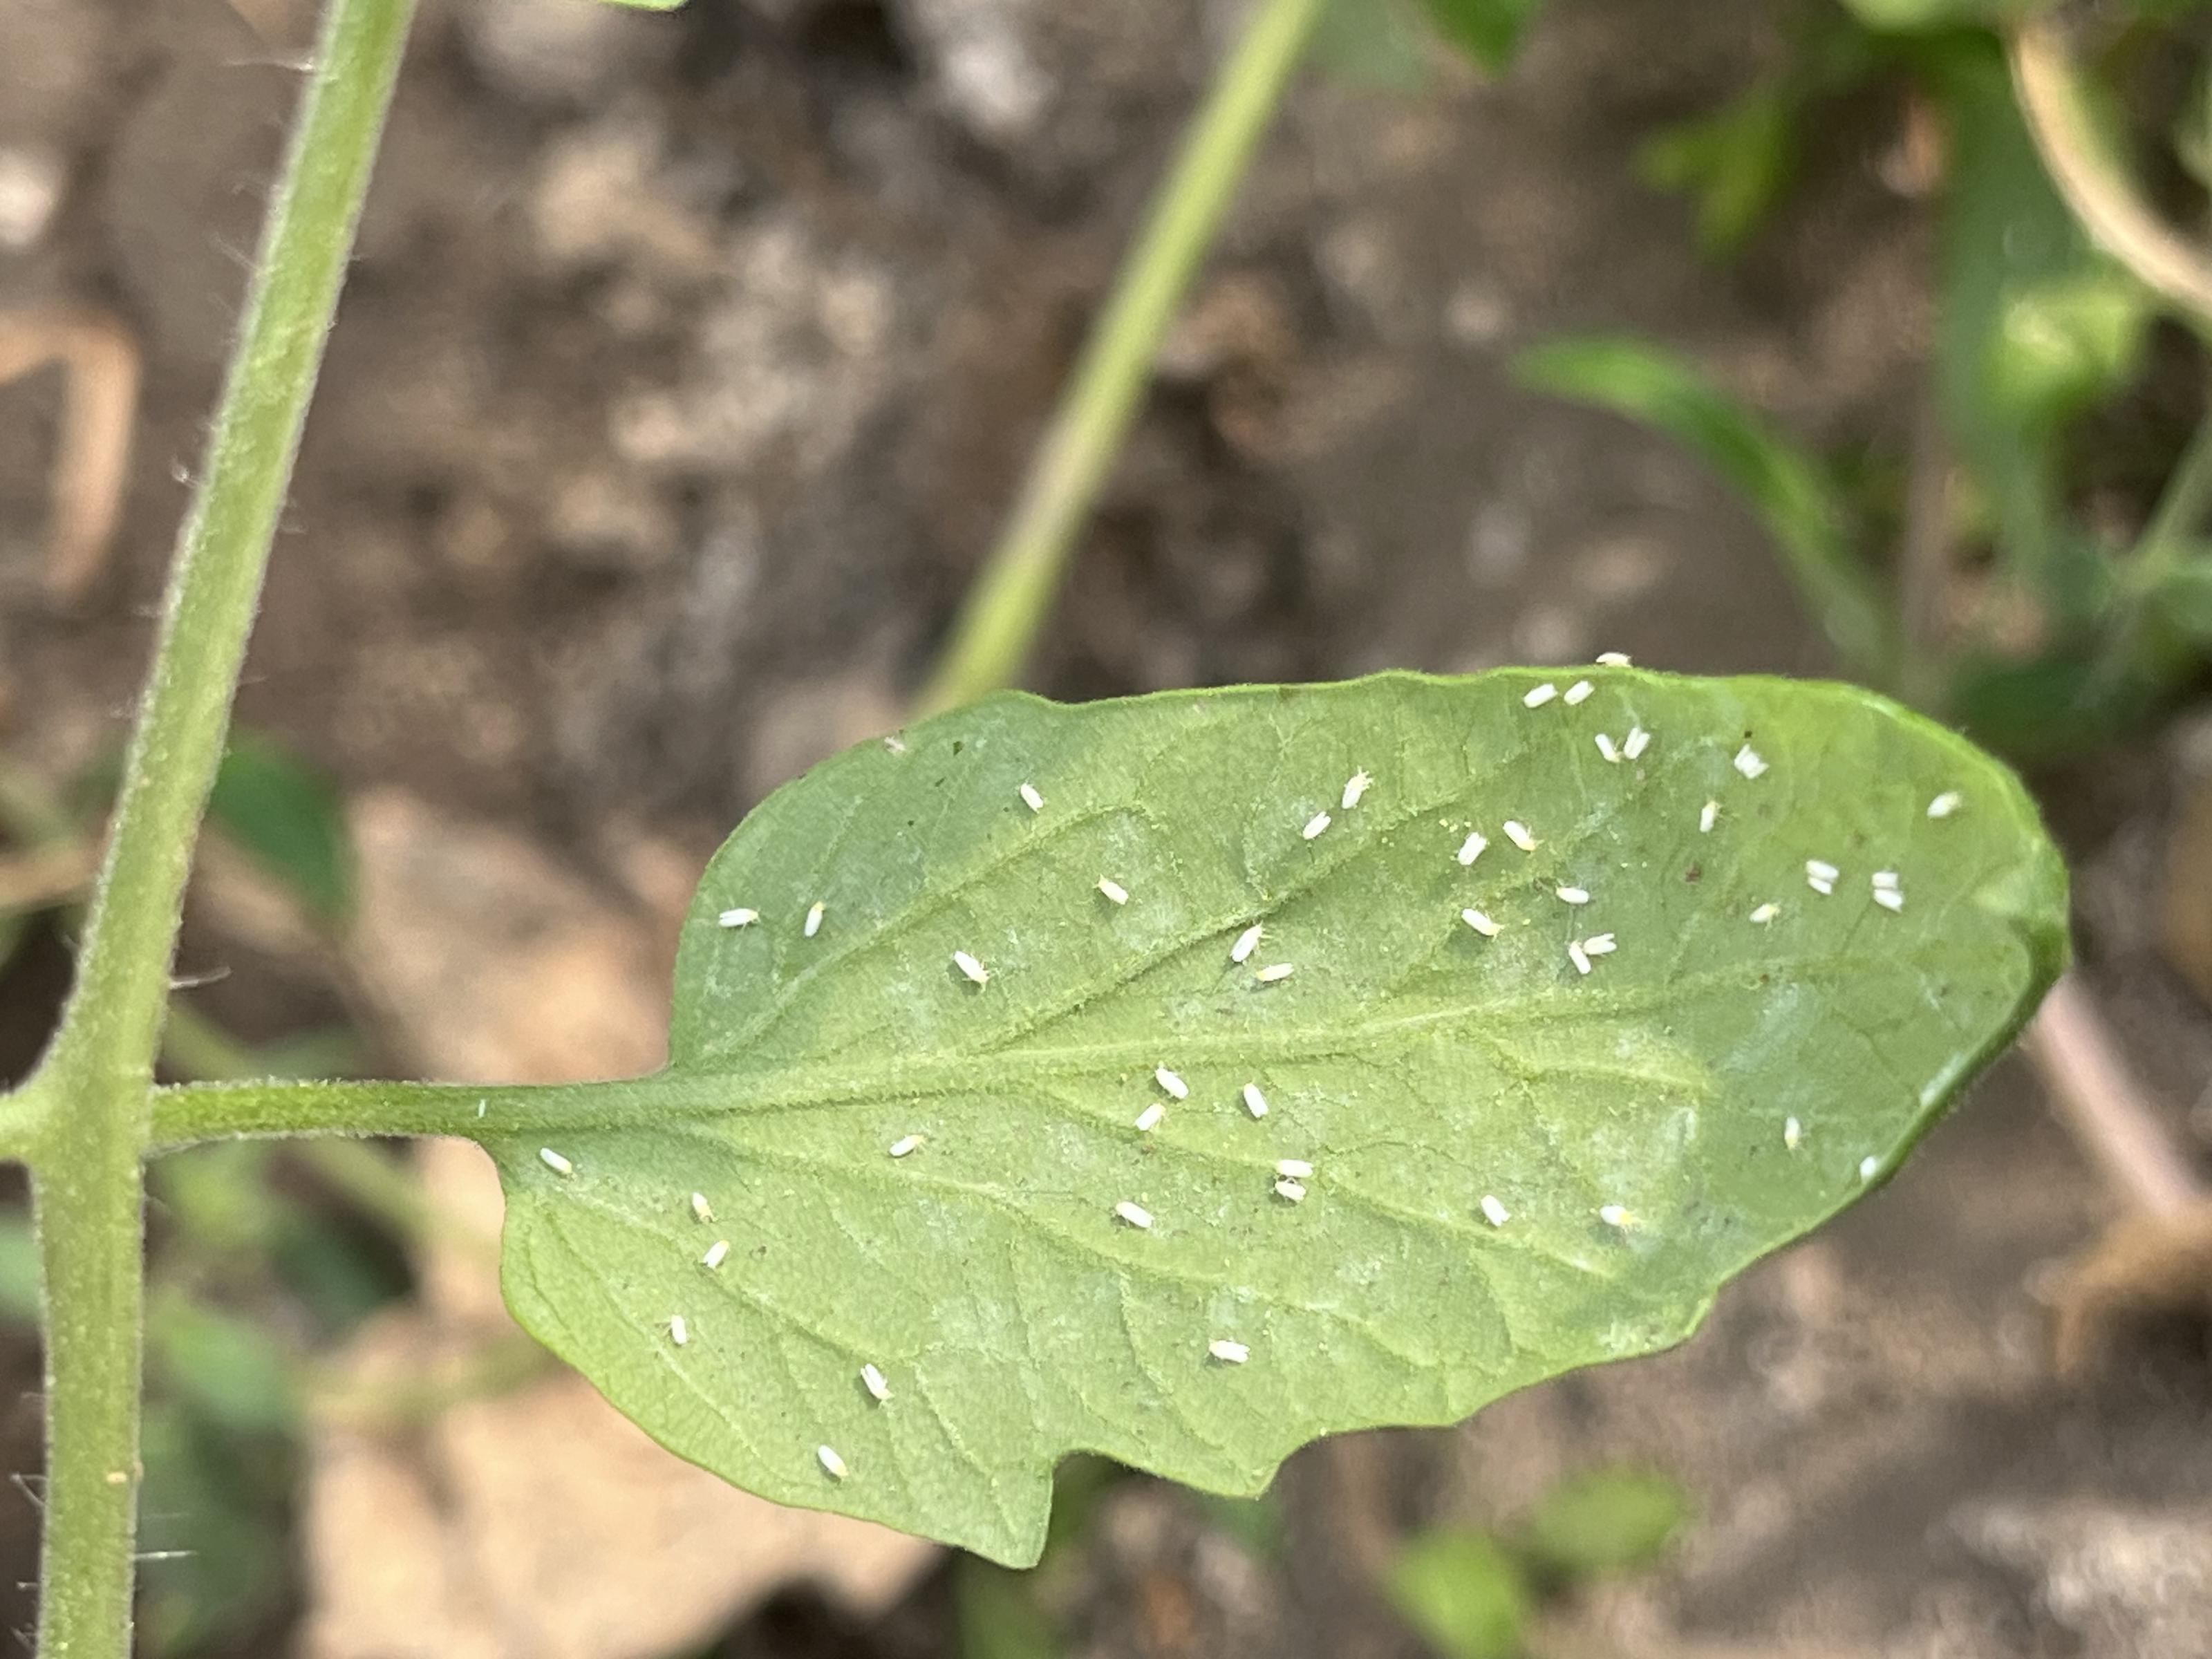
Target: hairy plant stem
(1007, 605)
(92, 1090)
(191, 1114)
(371, 1183)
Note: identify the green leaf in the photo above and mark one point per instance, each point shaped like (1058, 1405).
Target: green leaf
(1733, 164)
(1373, 43)
(1415, 1063)
(220, 1199)
(1462, 1593)
(218, 1561)
(337, 1275)
(1786, 486)
(1600, 1521)
(2004, 233)
(288, 818)
(1488, 30)
(2060, 703)
(231, 1372)
(2181, 597)
(2065, 343)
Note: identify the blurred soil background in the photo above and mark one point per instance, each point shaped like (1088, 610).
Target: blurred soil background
(686, 372)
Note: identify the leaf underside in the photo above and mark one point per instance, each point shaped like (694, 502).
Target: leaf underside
(1416, 1063)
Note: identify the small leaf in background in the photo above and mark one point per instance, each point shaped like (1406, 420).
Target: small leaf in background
(1254, 1522)
(2066, 342)
(288, 818)
(1785, 485)
(998, 1615)
(2182, 598)
(2003, 233)
(1733, 164)
(339, 1272)
(217, 1559)
(230, 1370)
(1488, 30)
(1373, 43)
(218, 1198)
(1462, 1594)
(1600, 1521)
(913, 1040)
(2061, 702)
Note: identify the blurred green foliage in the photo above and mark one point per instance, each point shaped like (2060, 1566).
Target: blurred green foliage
(2048, 631)
(1379, 44)
(1733, 164)
(1489, 31)
(1614, 1519)
(2183, 595)
(214, 1514)
(1787, 486)
(1906, 16)
(287, 815)
(1463, 1592)
(1472, 1593)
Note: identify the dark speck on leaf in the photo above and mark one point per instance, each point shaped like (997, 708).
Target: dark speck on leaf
(1695, 873)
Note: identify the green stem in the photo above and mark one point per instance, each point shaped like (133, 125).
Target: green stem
(2162, 548)
(2179, 513)
(187, 1114)
(199, 1048)
(111, 1026)
(1007, 605)
(95, 1084)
